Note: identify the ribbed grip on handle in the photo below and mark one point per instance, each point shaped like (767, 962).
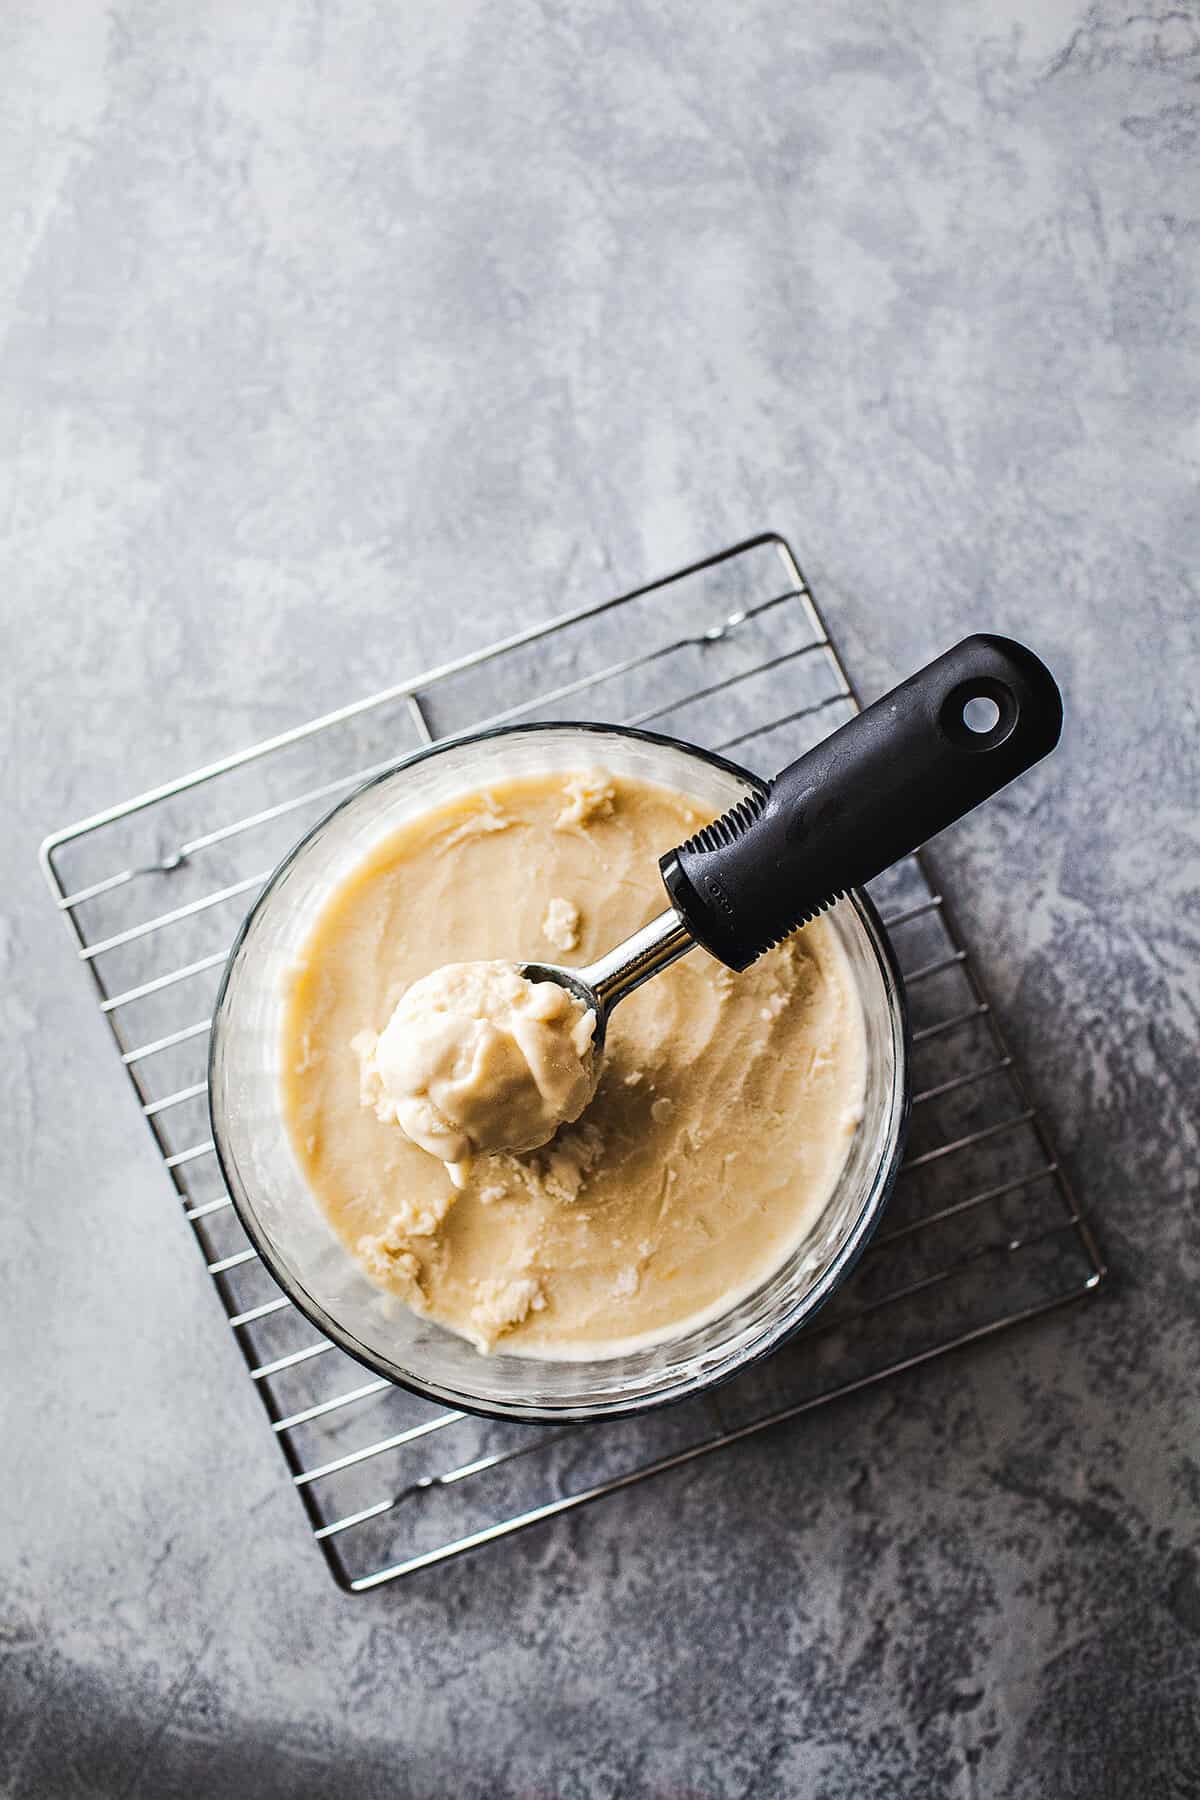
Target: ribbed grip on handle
(911, 764)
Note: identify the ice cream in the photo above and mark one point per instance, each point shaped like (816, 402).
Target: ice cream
(476, 1058)
(720, 1121)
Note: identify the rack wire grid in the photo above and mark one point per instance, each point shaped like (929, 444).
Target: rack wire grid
(731, 653)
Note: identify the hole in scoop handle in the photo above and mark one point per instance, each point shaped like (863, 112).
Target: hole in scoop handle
(899, 772)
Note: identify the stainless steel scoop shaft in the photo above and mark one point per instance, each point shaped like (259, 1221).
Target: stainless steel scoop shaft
(663, 941)
(601, 984)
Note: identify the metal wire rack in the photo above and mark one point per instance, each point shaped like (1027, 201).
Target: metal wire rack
(982, 1232)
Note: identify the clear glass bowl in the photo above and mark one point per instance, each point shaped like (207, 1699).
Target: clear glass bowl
(285, 1223)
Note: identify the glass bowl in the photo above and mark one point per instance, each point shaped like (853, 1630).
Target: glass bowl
(283, 1219)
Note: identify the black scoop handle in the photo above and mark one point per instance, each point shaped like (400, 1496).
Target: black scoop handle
(911, 764)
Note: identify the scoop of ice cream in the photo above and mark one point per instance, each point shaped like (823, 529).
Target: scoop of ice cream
(477, 1058)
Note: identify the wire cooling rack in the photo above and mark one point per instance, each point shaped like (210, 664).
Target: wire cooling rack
(732, 653)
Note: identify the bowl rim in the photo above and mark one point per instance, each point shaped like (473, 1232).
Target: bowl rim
(831, 1276)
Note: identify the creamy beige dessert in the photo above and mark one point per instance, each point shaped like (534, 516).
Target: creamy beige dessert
(721, 1120)
(476, 1058)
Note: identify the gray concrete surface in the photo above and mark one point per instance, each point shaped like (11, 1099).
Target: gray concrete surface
(335, 330)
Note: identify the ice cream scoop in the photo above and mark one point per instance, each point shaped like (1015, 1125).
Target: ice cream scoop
(476, 1057)
(481, 1056)
(923, 756)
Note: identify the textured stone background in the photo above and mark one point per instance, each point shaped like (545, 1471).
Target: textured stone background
(335, 337)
